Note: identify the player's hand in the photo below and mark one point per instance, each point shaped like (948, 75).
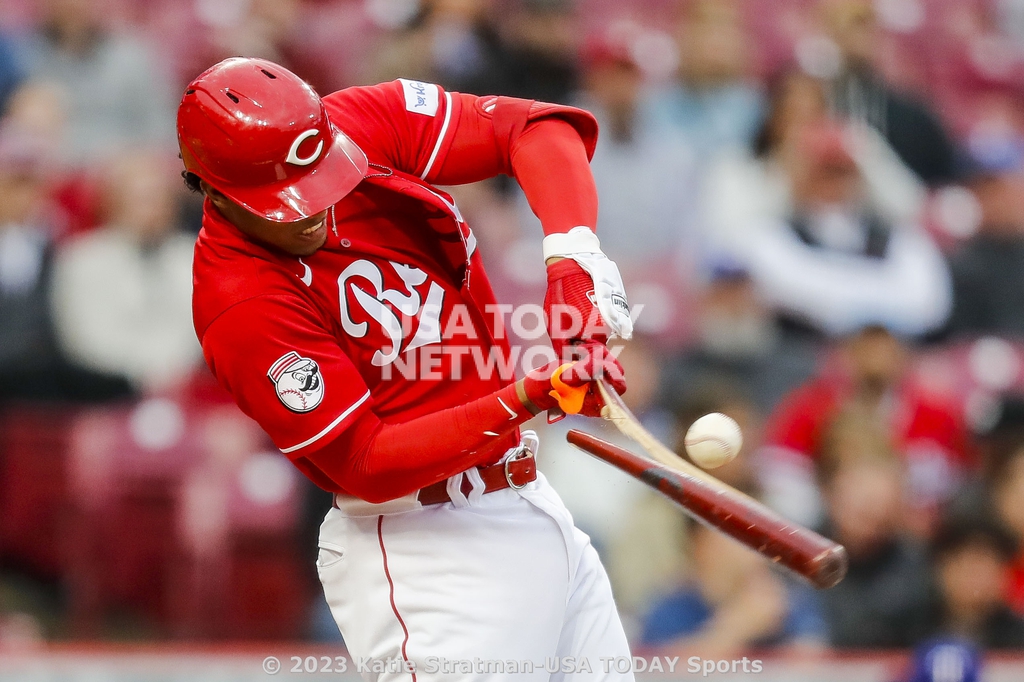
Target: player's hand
(582, 308)
(572, 315)
(571, 386)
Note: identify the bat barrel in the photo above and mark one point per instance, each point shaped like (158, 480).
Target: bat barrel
(817, 559)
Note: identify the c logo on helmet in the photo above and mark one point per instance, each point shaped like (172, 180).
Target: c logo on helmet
(293, 153)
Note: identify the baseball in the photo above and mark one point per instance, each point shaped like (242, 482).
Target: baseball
(713, 440)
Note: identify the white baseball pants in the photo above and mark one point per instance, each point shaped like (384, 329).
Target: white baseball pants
(499, 586)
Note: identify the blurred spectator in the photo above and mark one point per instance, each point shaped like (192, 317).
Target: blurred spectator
(747, 184)
(644, 555)
(1006, 495)
(466, 45)
(123, 292)
(972, 558)
(732, 603)
(869, 378)
(38, 108)
(883, 600)
(751, 184)
(10, 71)
(644, 170)
(114, 87)
(988, 292)
(822, 253)
(24, 253)
(712, 102)
(542, 42)
(30, 364)
(277, 30)
(997, 487)
(738, 344)
(451, 42)
(858, 90)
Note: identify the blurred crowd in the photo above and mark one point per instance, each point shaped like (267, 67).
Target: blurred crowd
(818, 210)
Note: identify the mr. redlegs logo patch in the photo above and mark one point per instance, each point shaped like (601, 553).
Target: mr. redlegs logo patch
(298, 382)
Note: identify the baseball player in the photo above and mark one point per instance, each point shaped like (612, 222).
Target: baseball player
(340, 299)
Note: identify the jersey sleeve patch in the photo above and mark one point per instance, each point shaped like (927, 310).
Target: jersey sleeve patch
(420, 97)
(298, 382)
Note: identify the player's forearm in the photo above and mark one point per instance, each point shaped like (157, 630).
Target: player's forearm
(379, 462)
(549, 160)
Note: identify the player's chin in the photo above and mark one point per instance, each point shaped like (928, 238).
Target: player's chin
(307, 245)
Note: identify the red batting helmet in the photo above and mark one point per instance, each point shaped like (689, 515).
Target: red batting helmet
(260, 135)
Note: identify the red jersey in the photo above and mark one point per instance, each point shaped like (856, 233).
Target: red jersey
(393, 313)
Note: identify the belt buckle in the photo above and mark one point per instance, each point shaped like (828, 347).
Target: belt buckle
(524, 453)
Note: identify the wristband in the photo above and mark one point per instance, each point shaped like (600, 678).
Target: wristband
(580, 239)
(525, 399)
